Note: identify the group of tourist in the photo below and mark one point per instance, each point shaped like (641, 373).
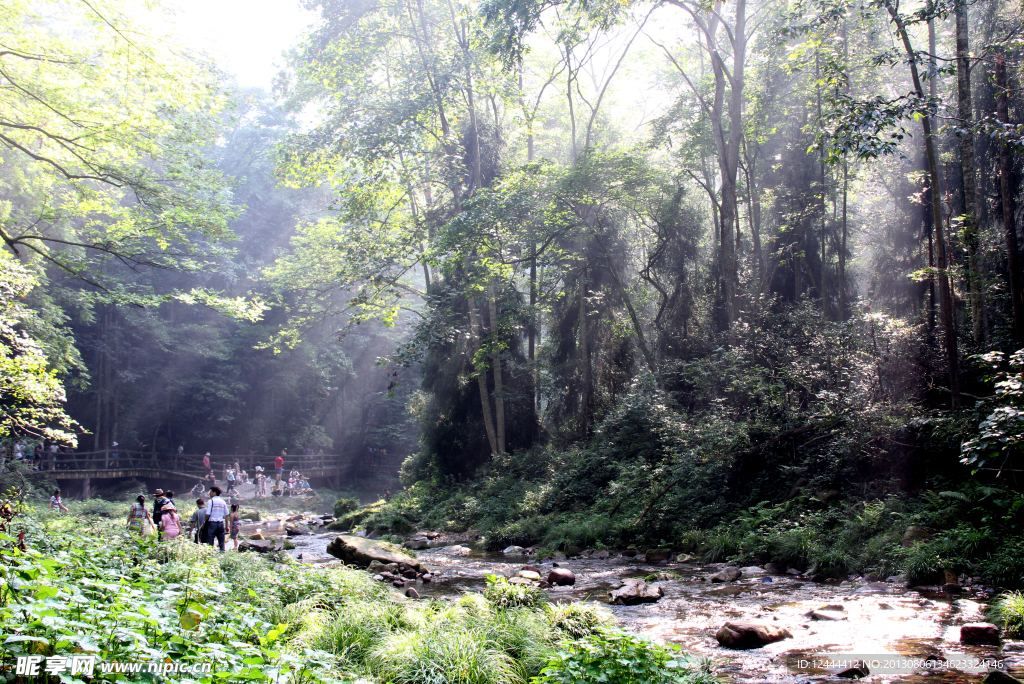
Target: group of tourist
(212, 520)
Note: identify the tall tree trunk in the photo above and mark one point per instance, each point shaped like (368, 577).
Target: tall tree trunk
(481, 376)
(821, 177)
(1009, 205)
(499, 390)
(584, 354)
(842, 247)
(967, 164)
(637, 328)
(945, 294)
(532, 328)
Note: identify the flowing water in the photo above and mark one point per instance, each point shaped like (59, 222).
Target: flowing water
(884, 623)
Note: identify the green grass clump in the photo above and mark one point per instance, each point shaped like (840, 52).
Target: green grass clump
(1008, 612)
(344, 506)
(578, 620)
(448, 655)
(503, 594)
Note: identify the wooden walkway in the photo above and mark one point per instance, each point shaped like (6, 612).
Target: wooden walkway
(111, 463)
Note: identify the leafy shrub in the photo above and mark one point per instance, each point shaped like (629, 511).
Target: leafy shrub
(1008, 612)
(503, 594)
(623, 658)
(578, 620)
(344, 506)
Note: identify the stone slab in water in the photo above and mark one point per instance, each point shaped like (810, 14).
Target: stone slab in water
(744, 635)
(361, 552)
(635, 591)
(979, 633)
(727, 575)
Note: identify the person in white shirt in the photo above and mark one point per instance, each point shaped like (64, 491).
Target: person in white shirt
(216, 514)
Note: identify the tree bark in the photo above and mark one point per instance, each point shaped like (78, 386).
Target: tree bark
(481, 376)
(499, 389)
(1009, 205)
(584, 354)
(967, 164)
(945, 294)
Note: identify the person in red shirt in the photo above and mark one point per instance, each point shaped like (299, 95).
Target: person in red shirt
(279, 465)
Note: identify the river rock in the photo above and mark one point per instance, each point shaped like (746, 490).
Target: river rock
(514, 551)
(979, 633)
(794, 572)
(558, 556)
(296, 530)
(917, 533)
(525, 581)
(833, 606)
(771, 569)
(743, 635)
(658, 556)
(753, 571)
(629, 553)
(417, 543)
(409, 574)
(531, 568)
(412, 593)
(727, 575)
(358, 551)
(826, 615)
(257, 545)
(530, 575)
(633, 591)
(856, 671)
(601, 555)
(561, 577)
(999, 677)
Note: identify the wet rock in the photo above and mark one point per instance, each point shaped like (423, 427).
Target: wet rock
(251, 516)
(793, 571)
(257, 545)
(256, 536)
(561, 577)
(658, 556)
(417, 543)
(949, 577)
(530, 575)
(634, 591)
(743, 635)
(856, 671)
(846, 584)
(379, 578)
(296, 530)
(514, 551)
(884, 606)
(558, 556)
(531, 568)
(999, 677)
(426, 577)
(571, 551)
(833, 606)
(753, 571)
(771, 569)
(525, 581)
(873, 588)
(409, 574)
(917, 533)
(826, 615)
(373, 535)
(726, 575)
(896, 579)
(398, 584)
(287, 545)
(629, 553)
(412, 593)
(360, 533)
(545, 585)
(376, 566)
(601, 555)
(361, 552)
(951, 588)
(979, 633)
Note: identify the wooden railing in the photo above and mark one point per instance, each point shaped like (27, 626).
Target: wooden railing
(191, 465)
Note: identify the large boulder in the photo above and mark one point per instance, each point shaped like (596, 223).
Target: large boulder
(634, 591)
(417, 543)
(979, 633)
(296, 530)
(257, 545)
(999, 677)
(361, 552)
(742, 635)
(727, 575)
(658, 556)
(561, 577)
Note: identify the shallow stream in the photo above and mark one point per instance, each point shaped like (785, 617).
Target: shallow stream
(886, 623)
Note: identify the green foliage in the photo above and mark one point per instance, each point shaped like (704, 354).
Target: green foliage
(1007, 611)
(344, 506)
(624, 658)
(503, 594)
(578, 620)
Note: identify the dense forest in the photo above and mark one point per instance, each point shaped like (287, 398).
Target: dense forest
(705, 282)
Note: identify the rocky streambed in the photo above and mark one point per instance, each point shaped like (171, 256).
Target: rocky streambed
(903, 635)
